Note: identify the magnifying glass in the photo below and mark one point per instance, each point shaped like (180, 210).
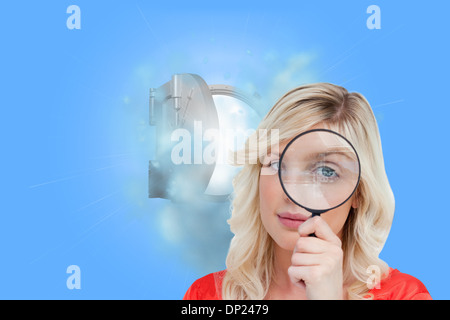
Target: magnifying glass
(319, 170)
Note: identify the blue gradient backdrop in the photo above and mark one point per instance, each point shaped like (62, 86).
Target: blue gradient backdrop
(76, 141)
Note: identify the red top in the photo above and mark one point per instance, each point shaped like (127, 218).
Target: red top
(397, 286)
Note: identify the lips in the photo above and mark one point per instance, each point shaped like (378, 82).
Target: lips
(291, 220)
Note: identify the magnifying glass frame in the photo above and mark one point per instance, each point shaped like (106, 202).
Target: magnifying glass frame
(317, 212)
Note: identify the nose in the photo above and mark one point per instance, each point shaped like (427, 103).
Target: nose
(290, 202)
(293, 207)
(287, 199)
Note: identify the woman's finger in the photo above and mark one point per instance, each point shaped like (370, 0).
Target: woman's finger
(318, 226)
(297, 275)
(306, 259)
(310, 245)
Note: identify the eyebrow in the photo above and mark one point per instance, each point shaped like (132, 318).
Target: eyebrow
(348, 154)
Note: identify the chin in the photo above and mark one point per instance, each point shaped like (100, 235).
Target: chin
(286, 242)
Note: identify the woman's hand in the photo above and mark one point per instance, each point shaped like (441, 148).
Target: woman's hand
(317, 261)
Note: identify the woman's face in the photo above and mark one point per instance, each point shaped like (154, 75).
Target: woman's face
(280, 216)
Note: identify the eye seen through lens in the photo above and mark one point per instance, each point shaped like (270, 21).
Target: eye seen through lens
(319, 170)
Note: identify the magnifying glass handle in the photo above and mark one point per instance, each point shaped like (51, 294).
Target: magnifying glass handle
(313, 215)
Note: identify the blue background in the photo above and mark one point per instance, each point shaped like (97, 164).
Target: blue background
(76, 141)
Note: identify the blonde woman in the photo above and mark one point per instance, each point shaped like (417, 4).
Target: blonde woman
(272, 255)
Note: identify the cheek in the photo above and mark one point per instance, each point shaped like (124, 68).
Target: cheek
(271, 200)
(268, 194)
(336, 218)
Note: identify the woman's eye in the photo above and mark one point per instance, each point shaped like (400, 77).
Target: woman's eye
(326, 171)
(275, 165)
(270, 167)
(326, 174)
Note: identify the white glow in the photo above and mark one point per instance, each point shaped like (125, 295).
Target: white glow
(237, 120)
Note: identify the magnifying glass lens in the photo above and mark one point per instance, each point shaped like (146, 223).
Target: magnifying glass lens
(319, 170)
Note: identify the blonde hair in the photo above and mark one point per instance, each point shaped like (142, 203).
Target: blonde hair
(250, 258)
